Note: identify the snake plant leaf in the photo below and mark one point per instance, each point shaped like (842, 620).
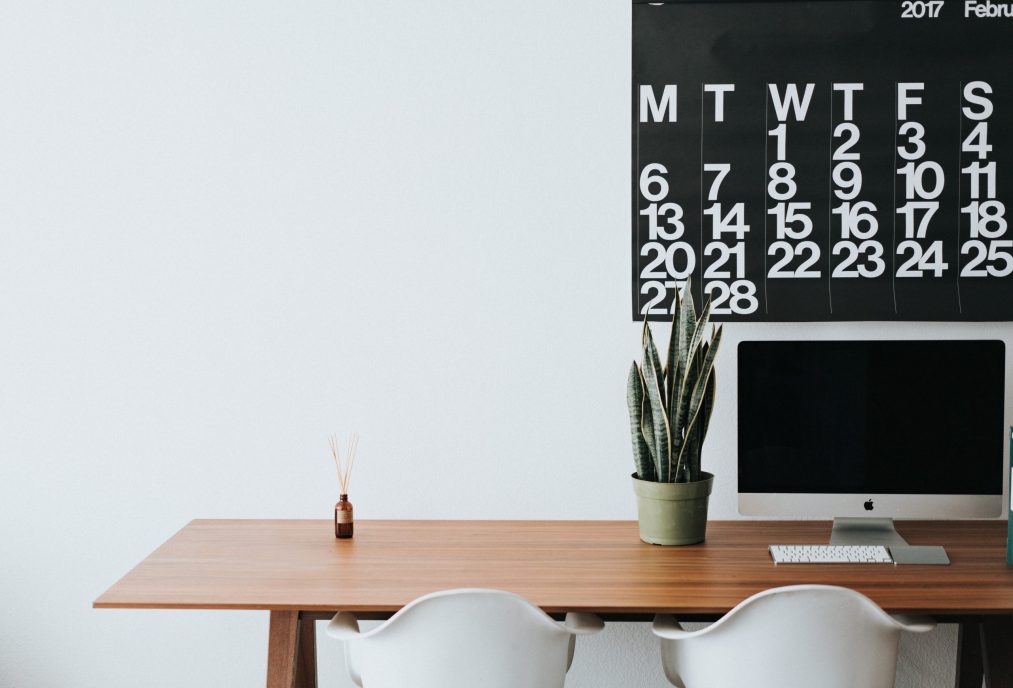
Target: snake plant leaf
(647, 432)
(676, 408)
(706, 411)
(652, 359)
(642, 459)
(697, 354)
(675, 423)
(647, 424)
(695, 366)
(699, 390)
(687, 320)
(700, 428)
(662, 434)
(690, 359)
(700, 329)
(689, 469)
(708, 402)
(672, 362)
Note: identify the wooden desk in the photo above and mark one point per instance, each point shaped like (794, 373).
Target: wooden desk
(300, 573)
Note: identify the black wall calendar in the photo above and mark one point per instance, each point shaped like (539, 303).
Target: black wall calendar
(824, 160)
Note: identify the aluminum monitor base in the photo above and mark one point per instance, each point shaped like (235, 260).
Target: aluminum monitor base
(865, 531)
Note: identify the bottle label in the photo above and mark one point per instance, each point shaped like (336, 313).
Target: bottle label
(343, 515)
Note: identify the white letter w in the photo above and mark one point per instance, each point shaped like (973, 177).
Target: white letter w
(791, 92)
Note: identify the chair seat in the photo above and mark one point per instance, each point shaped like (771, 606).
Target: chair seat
(793, 637)
(463, 639)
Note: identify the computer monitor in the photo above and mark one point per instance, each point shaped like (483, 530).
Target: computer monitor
(896, 429)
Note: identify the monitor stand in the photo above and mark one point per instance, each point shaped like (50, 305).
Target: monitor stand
(865, 531)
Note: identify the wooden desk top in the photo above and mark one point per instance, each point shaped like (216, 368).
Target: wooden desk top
(596, 566)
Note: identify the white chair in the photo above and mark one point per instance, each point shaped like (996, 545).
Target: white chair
(464, 638)
(794, 637)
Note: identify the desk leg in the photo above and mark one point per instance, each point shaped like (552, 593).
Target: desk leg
(985, 650)
(969, 665)
(306, 662)
(997, 651)
(291, 651)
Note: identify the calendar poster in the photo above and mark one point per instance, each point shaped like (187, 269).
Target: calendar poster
(824, 160)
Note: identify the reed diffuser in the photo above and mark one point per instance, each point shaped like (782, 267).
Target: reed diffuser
(343, 523)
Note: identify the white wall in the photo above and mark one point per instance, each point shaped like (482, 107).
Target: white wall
(230, 228)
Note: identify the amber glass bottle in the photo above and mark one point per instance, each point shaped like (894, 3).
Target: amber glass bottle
(343, 524)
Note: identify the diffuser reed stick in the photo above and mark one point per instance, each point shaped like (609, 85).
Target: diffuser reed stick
(344, 468)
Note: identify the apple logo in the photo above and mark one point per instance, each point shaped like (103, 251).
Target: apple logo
(868, 505)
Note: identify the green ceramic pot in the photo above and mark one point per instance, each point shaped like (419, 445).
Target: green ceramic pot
(673, 513)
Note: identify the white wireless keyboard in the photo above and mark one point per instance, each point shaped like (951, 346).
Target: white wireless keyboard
(830, 554)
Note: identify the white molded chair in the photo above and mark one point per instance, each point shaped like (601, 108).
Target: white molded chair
(463, 639)
(800, 636)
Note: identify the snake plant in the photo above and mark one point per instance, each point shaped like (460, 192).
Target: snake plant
(670, 402)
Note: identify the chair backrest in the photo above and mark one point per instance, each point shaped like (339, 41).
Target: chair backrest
(464, 639)
(794, 637)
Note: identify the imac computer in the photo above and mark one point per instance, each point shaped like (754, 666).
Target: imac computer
(867, 431)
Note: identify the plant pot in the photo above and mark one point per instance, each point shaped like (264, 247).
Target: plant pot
(673, 513)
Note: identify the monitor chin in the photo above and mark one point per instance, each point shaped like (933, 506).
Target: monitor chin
(822, 506)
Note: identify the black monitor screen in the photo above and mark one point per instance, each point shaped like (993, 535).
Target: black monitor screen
(871, 417)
